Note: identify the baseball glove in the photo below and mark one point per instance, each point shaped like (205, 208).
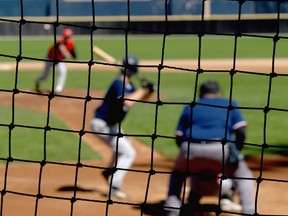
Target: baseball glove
(150, 86)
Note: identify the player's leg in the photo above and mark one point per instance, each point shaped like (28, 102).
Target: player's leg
(227, 197)
(214, 152)
(178, 176)
(100, 126)
(172, 206)
(201, 157)
(191, 206)
(125, 153)
(173, 202)
(62, 75)
(43, 75)
(245, 187)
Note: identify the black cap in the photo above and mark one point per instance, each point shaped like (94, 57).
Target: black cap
(209, 86)
(130, 64)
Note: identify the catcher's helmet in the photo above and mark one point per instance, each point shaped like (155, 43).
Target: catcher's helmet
(209, 86)
(131, 65)
(67, 32)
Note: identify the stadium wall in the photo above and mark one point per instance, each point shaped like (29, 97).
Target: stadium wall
(184, 15)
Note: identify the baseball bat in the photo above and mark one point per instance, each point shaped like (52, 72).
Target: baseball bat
(110, 59)
(103, 55)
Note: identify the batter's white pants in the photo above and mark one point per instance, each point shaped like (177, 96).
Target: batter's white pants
(123, 151)
(62, 75)
(214, 151)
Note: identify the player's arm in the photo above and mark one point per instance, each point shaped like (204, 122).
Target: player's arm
(179, 138)
(139, 94)
(239, 126)
(73, 53)
(240, 134)
(182, 126)
(143, 93)
(64, 51)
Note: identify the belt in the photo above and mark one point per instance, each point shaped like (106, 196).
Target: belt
(204, 141)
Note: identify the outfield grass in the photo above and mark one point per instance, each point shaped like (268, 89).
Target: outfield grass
(150, 47)
(251, 91)
(27, 142)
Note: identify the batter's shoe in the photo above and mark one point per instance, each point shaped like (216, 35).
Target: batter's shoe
(118, 193)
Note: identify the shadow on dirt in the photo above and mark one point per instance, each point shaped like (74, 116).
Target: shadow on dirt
(73, 188)
(70, 188)
(269, 162)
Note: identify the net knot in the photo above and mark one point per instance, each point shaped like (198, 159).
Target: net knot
(81, 133)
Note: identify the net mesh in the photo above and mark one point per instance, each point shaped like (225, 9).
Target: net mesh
(35, 195)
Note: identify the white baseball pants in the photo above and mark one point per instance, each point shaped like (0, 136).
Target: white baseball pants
(123, 151)
(62, 75)
(214, 151)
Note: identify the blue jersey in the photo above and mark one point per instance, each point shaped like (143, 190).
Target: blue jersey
(209, 122)
(112, 110)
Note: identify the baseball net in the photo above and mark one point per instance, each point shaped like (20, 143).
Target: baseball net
(107, 205)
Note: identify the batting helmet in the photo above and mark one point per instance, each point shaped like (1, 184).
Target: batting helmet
(131, 65)
(209, 86)
(67, 32)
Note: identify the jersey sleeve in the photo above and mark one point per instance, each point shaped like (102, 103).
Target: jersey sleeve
(183, 123)
(70, 45)
(238, 120)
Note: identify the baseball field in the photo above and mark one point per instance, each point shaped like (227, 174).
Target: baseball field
(62, 147)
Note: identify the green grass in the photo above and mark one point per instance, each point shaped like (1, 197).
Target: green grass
(27, 143)
(150, 47)
(251, 91)
(75, 79)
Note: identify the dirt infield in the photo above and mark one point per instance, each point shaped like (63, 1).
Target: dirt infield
(247, 65)
(57, 180)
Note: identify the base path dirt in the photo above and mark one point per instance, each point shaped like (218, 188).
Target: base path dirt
(279, 65)
(57, 181)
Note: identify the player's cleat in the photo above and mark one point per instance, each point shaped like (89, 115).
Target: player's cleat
(58, 90)
(118, 193)
(229, 205)
(172, 206)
